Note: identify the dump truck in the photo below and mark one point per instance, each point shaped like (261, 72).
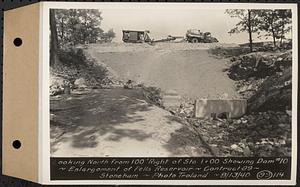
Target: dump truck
(196, 36)
(134, 36)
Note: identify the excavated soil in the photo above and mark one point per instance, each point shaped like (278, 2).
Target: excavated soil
(186, 68)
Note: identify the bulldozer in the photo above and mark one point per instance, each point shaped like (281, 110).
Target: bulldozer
(196, 36)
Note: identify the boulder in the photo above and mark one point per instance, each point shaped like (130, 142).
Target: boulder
(80, 83)
(57, 85)
(206, 108)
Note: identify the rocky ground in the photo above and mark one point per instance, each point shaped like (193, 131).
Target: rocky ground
(264, 79)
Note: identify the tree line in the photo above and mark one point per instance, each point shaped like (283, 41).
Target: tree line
(263, 22)
(70, 27)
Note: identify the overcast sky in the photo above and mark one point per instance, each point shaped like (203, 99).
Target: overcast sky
(175, 22)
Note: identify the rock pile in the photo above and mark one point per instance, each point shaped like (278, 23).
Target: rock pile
(64, 78)
(153, 94)
(265, 133)
(262, 134)
(264, 78)
(259, 65)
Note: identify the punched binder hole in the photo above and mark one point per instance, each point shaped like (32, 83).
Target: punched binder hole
(17, 42)
(16, 144)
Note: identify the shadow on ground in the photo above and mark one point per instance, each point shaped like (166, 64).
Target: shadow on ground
(185, 140)
(118, 122)
(94, 114)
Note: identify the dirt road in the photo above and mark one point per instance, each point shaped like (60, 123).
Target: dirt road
(186, 68)
(117, 122)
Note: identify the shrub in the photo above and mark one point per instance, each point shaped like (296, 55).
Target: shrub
(229, 51)
(72, 57)
(74, 65)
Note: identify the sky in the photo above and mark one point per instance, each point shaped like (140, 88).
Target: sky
(163, 19)
(175, 22)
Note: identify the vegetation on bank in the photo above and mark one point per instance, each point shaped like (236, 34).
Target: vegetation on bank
(70, 68)
(264, 78)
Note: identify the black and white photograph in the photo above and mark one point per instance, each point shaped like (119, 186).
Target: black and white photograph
(171, 82)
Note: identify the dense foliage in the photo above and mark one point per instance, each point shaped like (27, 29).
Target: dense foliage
(80, 26)
(73, 27)
(70, 30)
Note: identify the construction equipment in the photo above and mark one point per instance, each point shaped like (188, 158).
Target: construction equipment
(196, 36)
(133, 36)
